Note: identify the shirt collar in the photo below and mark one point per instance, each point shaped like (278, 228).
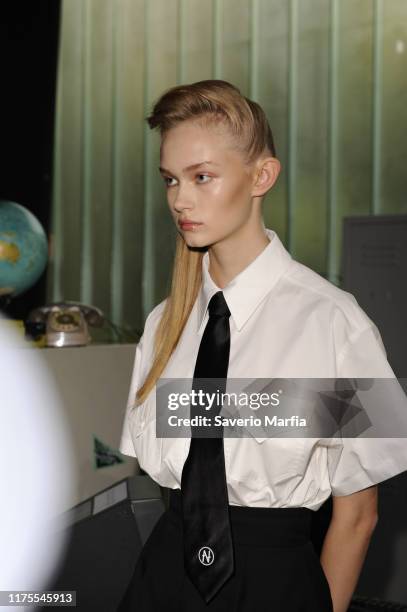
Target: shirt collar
(248, 288)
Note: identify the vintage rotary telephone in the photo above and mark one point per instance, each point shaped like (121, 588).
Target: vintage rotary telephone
(64, 323)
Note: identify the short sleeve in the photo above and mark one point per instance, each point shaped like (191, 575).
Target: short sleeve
(364, 356)
(357, 463)
(126, 444)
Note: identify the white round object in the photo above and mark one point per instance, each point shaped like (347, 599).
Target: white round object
(37, 469)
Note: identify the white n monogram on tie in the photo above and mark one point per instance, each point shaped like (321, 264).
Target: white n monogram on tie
(206, 555)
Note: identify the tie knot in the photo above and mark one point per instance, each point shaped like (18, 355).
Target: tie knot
(217, 306)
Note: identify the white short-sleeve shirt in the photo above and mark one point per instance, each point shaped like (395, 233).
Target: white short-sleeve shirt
(286, 321)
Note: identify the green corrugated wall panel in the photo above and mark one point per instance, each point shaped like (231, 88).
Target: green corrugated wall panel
(161, 73)
(196, 54)
(67, 209)
(97, 197)
(330, 74)
(332, 144)
(129, 165)
(311, 139)
(273, 51)
(236, 43)
(353, 151)
(394, 107)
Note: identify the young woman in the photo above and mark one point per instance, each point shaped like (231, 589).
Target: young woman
(218, 161)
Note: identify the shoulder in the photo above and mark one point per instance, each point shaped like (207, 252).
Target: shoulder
(154, 317)
(335, 316)
(340, 307)
(145, 345)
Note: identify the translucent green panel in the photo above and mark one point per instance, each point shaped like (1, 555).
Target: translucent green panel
(128, 164)
(309, 218)
(196, 54)
(98, 151)
(236, 43)
(272, 68)
(67, 200)
(353, 148)
(330, 74)
(160, 73)
(394, 108)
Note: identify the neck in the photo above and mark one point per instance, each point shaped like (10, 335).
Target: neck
(232, 255)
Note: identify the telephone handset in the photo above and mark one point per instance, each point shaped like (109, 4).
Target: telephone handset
(66, 323)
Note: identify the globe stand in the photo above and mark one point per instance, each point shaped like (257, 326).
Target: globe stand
(5, 301)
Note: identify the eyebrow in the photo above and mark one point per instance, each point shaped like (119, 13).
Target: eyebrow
(192, 167)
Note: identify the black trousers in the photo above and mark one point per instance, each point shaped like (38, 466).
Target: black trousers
(276, 566)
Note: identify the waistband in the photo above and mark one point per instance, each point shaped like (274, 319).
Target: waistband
(258, 526)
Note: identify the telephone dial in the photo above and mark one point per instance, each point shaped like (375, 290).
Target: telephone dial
(64, 323)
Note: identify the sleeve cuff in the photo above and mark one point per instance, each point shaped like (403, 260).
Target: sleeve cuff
(361, 480)
(127, 448)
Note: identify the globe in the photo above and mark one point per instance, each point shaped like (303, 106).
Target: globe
(23, 249)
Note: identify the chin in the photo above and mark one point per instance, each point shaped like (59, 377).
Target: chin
(193, 240)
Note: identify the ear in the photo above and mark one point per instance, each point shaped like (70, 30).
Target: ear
(266, 174)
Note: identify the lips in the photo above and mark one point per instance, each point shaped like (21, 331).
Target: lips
(188, 222)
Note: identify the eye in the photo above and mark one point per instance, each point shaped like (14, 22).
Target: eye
(205, 175)
(168, 178)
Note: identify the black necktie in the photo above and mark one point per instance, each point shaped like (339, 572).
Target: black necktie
(208, 545)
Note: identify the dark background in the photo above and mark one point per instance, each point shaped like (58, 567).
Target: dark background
(29, 34)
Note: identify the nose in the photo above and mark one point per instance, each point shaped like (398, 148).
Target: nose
(179, 206)
(182, 202)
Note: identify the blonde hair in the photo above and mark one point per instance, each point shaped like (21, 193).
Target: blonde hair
(206, 102)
